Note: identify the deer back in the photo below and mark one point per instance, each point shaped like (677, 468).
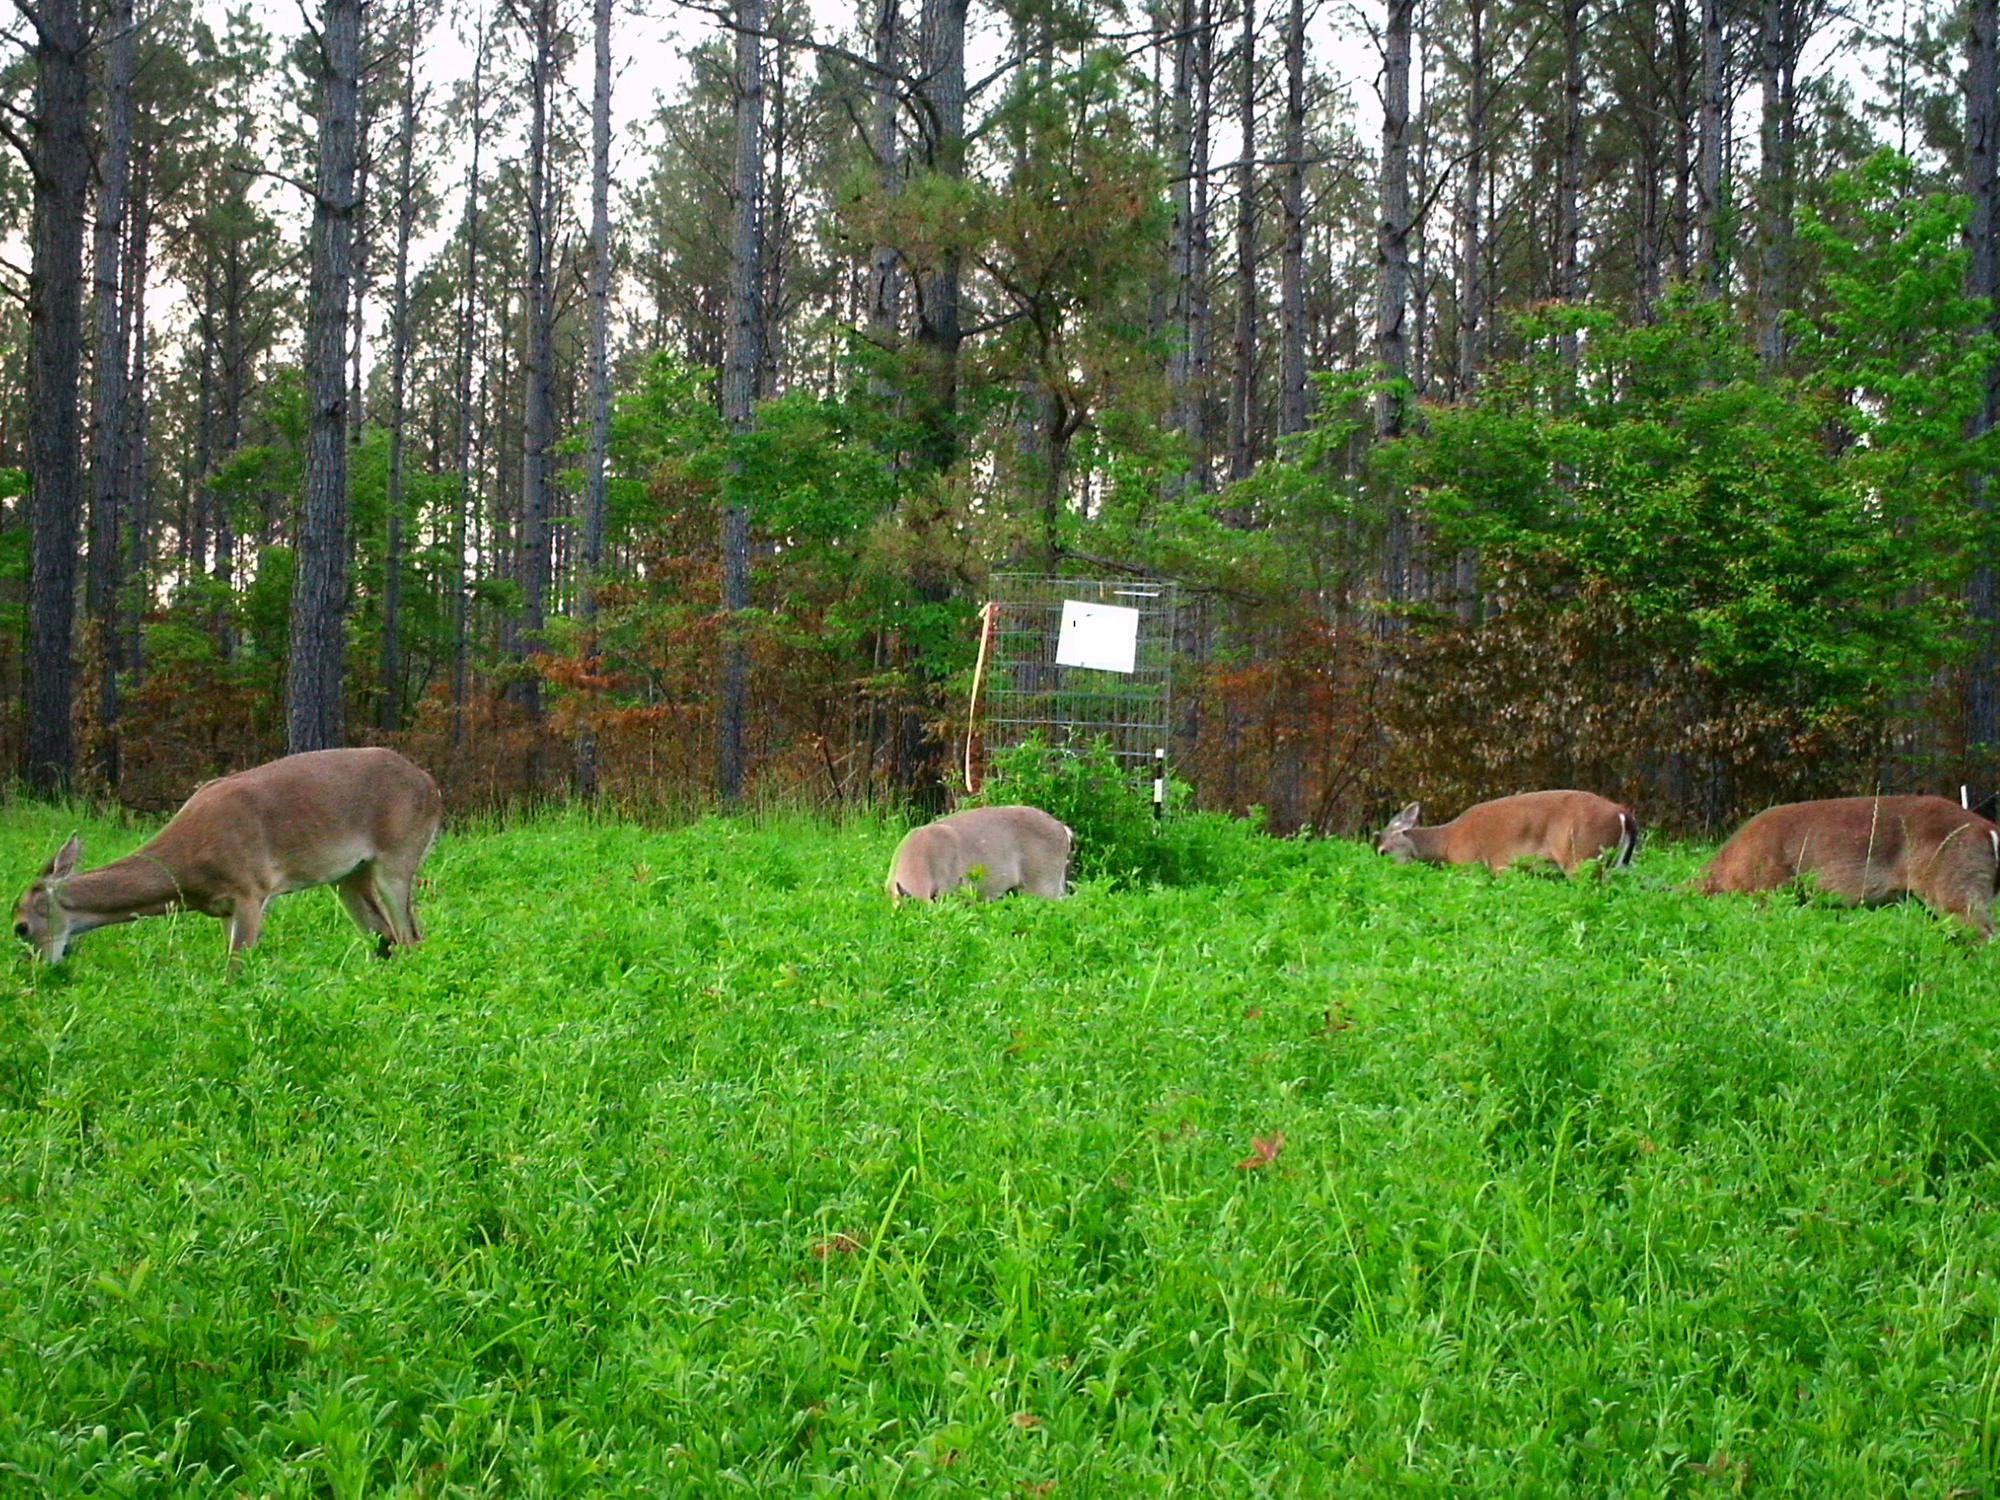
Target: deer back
(301, 821)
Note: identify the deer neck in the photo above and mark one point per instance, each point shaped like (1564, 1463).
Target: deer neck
(1430, 843)
(139, 885)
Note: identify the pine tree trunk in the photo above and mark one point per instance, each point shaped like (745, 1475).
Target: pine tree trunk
(1472, 245)
(61, 180)
(1569, 187)
(461, 602)
(1243, 396)
(1686, 85)
(363, 232)
(600, 364)
(1180, 369)
(776, 228)
(538, 424)
(1392, 243)
(1982, 120)
(941, 66)
(1292, 265)
(314, 681)
(1774, 226)
(939, 339)
(109, 471)
(399, 365)
(138, 552)
(229, 432)
(741, 364)
(885, 279)
(1201, 325)
(1708, 175)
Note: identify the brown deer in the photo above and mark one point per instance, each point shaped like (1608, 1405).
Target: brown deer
(1567, 827)
(1867, 850)
(361, 820)
(1002, 848)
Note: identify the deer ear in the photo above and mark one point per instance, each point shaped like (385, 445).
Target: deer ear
(1407, 818)
(64, 864)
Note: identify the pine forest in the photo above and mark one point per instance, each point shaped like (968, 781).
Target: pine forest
(636, 402)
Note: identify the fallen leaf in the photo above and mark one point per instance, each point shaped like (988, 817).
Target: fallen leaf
(1253, 1012)
(1264, 1150)
(838, 1244)
(1027, 1421)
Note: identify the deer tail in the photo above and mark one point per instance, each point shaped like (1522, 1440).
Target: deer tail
(1628, 839)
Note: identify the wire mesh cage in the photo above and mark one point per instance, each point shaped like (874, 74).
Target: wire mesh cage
(1030, 693)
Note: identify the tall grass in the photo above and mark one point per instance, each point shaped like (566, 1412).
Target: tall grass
(679, 1162)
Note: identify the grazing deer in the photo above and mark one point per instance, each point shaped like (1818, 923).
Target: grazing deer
(1004, 848)
(361, 820)
(1867, 850)
(1567, 827)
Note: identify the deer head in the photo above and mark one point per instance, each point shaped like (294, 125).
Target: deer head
(1395, 840)
(40, 920)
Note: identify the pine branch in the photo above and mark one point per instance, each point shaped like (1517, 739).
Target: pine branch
(791, 39)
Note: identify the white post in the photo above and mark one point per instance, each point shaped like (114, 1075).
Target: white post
(1160, 782)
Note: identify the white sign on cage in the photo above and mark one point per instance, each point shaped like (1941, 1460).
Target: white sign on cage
(1102, 636)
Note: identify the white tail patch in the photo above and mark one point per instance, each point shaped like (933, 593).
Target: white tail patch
(1629, 844)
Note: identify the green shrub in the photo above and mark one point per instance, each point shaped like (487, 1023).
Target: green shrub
(1110, 809)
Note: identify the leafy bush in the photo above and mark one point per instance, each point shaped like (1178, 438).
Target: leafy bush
(1110, 809)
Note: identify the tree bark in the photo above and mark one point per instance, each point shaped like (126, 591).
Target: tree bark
(364, 228)
(109, 470)
(1472, 244)
(885, 279)
(1201, 326)
(1243, 394)
(940, 333)
(1292, 266)
(61, 172)
(1181, 254)
(1569, 187)
(461, 603)
(1982, 119)
(391, 701)
(600, 363)
(1774, 182)
(315, 677)
(742, 362)
(776, 210)
(1392, 239)
(139, 546)
(538, 425)
(1708, 174)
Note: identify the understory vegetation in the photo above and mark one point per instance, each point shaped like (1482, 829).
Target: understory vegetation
(681, 1162)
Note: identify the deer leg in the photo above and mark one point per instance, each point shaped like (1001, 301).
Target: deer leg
(394, 886)
(359, 895)
(1975, 912)
(246, 922)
